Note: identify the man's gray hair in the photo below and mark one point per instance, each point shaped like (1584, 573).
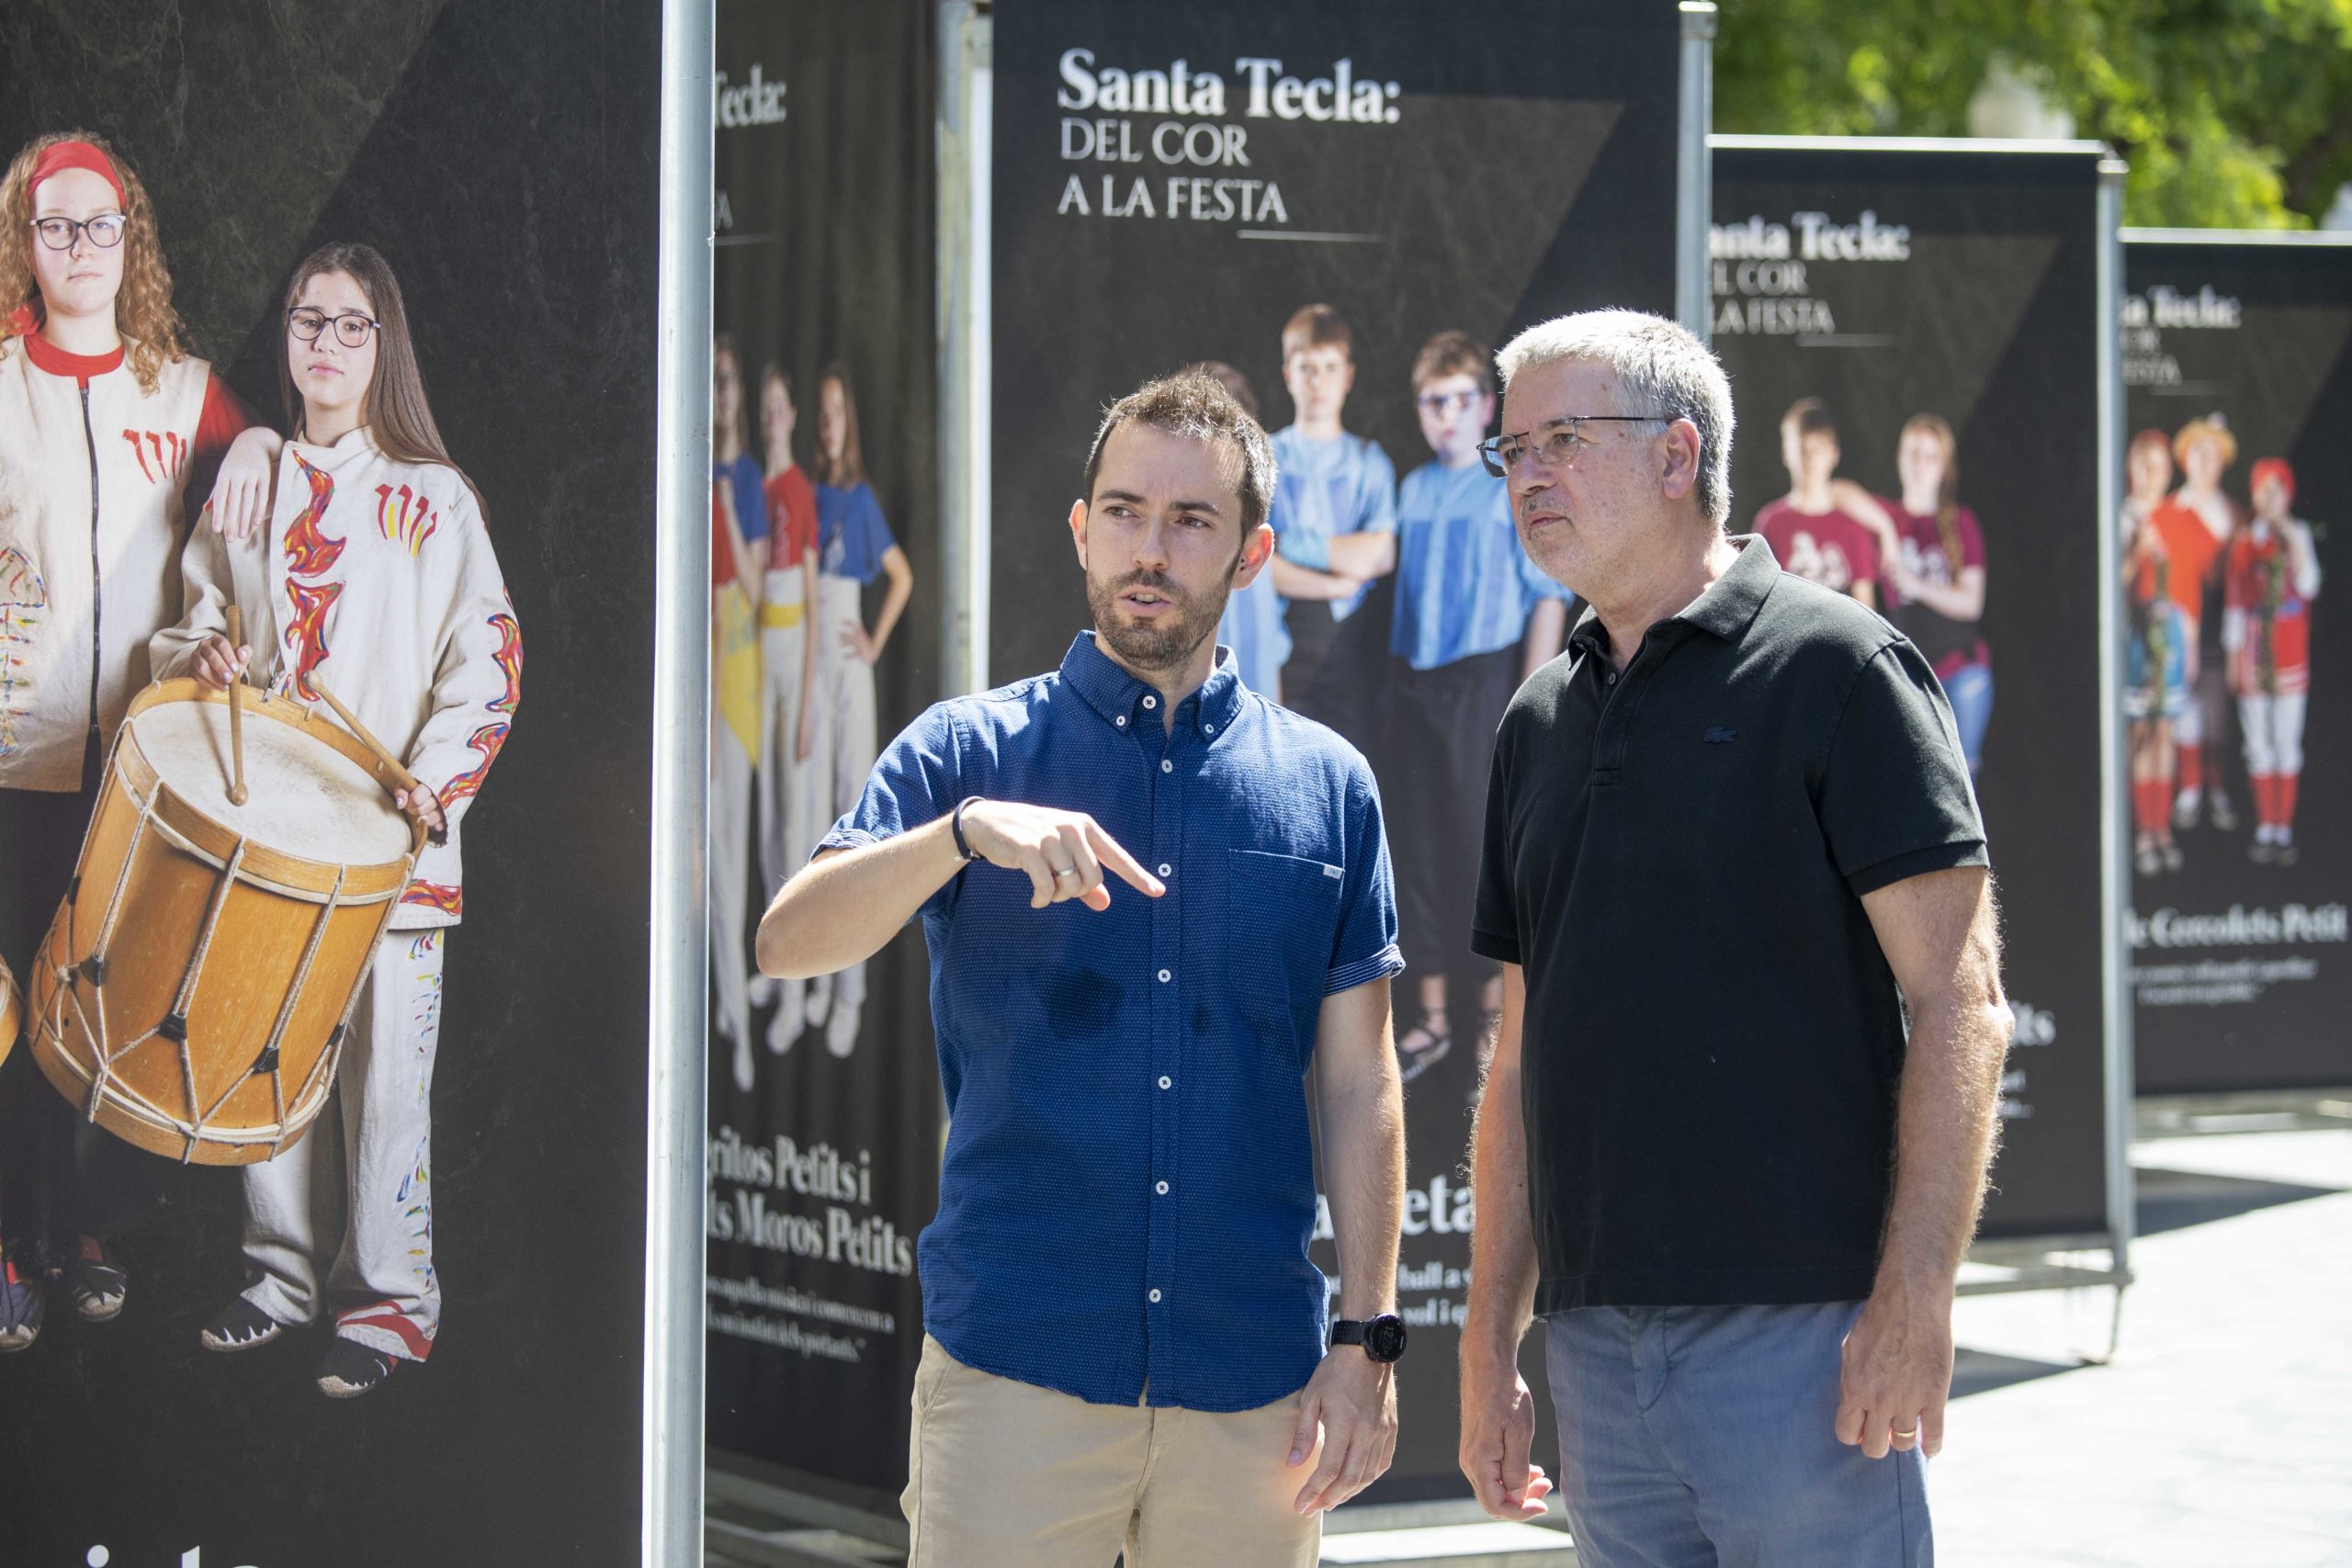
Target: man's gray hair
(1661, 367)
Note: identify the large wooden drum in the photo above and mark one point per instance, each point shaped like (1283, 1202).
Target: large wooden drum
(194, 992)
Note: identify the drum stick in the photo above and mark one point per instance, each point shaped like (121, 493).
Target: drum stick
(237, 707)
(401, 775)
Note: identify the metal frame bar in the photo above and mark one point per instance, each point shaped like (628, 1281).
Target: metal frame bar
(2115, 844)
(669, 1480)
(2289, 237)
(967, 67)
(1906, 143)
(1694, 169)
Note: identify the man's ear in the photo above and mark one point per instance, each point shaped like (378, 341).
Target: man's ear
(1077, 530)
(1256, 551)
(1678, 455)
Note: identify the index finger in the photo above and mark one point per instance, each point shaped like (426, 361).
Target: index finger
(1114, 857)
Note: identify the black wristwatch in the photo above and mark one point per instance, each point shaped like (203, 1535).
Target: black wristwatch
(955, 821)
(1383, 1338)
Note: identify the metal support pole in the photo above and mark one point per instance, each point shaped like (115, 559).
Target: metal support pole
(964, 128)
(1694, 170)
(670, 1481)
(2115, 981)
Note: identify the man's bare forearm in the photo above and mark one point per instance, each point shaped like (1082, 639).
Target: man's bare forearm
(846, 904)
(1502, 1247)
(1360, 1106)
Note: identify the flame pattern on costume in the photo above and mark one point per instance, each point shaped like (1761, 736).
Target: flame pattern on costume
(490, 736)
(24, 603)
(434, 896)
(309, 554)
(408, 522)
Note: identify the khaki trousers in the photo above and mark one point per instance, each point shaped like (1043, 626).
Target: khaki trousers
(1005, 1474)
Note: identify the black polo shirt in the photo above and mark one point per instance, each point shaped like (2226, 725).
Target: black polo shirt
(1675, 856)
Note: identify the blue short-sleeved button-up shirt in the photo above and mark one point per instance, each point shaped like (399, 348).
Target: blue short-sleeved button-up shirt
(1129, 1188)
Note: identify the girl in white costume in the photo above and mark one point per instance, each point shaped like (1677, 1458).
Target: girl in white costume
(854, 547)
(106, 423)
(788, 831)
(375, 578)
(739, 559)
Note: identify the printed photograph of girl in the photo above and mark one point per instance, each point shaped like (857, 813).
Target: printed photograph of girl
(107, 423)
(2162, 641)
(2269, 578)
(854, 547)
(1932, 553)
(2206, 448)
(738, 562)
(788, 827)
(373, 578)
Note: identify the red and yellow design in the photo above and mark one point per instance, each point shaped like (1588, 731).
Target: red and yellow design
(436, 896)
(405, 517)
(490, 736)
(310, 553)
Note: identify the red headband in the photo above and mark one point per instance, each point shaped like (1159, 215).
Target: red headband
(2272, 469)
(60, 156)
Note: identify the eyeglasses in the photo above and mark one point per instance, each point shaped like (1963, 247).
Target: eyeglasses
(62, 233)
(1557, 445)
(351, 328)
(1448, 402)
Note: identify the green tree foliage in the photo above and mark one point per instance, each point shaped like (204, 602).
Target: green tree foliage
(2233, 113)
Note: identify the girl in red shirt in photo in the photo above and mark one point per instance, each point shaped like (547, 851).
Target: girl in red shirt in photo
(2268, 581)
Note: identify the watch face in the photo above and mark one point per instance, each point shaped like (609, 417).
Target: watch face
(1384, 1337)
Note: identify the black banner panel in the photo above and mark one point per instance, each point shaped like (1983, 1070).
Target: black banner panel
(2238, 483)
(403, 1321)
(1176, 185)
(824, 1104)
(1912, 342)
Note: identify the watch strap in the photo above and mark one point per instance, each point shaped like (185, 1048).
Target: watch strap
(964, 851)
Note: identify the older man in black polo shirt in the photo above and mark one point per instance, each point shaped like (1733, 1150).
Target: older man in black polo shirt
(1730, 840)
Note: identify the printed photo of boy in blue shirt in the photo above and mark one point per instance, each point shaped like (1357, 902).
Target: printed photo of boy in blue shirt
(1467, 599)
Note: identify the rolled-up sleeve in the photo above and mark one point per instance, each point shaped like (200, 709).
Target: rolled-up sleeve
(1366, 946)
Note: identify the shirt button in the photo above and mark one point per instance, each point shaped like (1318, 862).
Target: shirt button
(1161, 1188)
(1164, 975)
(1147, 701)
(1165, 765)
(1165, 869)
(1206, 730)
(1155, 1294)
(1610, 679)
(1165, 1081)
(1121, 721)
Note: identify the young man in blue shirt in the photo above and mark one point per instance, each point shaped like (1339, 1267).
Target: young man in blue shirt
(1334, 518)
(1466, 597)
(1125, 1345)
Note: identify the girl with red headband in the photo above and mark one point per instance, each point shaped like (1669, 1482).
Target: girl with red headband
(2158, 653)
(106, 423)
(2268, 585)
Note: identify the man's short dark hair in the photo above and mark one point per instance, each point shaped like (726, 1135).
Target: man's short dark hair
(1191, 404)
(1812, 416)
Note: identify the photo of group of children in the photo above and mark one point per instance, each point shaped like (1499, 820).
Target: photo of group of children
(1917, 555)
(1403, 614)
(2220, 603)
(792, 730)
(355, 550)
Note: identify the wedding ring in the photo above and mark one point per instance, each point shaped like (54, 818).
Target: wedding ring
(1067, 871)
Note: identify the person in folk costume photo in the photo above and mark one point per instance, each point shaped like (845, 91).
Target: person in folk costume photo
(2268, 581)
(738, 564)
(2206, 450)
(788, 827)
(2156, 658)
(854, 547)
(374, 579)
(1931, 569)
(106, 421)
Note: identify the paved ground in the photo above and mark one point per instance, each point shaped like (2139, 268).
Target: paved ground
(2221, 1436)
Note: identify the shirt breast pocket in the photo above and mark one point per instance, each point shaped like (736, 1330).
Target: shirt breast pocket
(1282, 919)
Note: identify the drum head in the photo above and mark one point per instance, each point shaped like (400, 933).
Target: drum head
(302, 797)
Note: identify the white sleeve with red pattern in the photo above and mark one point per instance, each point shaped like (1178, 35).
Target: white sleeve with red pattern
(478, 677)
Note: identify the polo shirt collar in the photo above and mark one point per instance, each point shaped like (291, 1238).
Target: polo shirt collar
(1723, 609)
(1118, 696)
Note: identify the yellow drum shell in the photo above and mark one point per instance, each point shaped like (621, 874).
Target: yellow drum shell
(193, 991)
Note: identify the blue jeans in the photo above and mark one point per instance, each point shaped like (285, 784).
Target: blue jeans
(1701, 1438)
(1970, 691)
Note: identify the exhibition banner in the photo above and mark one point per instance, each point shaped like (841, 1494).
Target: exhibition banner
(2238, 393)
(1340, 212)
(323, 1153)
(824, 1102)
(1912, 332)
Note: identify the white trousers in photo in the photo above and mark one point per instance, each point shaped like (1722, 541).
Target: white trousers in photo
(788, 831)
(353, 1201)
(2272, 728)
(729, 846)
(846, 745)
